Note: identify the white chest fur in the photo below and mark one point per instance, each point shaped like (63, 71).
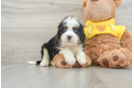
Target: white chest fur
(73, 48)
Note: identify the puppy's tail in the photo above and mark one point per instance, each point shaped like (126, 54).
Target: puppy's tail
(34, 62)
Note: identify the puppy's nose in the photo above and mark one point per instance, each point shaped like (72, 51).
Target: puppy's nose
(69, 37)
(94, 0)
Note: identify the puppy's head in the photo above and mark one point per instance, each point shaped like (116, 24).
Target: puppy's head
(70, 31)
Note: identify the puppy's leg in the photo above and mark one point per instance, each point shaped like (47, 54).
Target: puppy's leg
(45, 59)
(68, 55)
(81, 57)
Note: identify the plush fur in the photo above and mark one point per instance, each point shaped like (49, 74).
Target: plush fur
(106, 50)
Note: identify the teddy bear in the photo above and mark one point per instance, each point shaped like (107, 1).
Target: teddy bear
(106, 44)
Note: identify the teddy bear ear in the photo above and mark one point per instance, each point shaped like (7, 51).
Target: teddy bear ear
(84, 4)
(117, 2)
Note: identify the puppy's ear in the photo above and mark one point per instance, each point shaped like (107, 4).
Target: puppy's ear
(117, 2)
(82, 35)
(59, 30)
(58, 34)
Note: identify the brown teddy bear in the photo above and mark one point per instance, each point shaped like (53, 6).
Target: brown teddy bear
(106, 45)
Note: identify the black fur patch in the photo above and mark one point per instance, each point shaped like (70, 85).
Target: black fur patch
(51, 47)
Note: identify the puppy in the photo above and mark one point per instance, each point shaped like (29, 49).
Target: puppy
(68, 41)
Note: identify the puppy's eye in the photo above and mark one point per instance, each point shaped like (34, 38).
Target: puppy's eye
(75, 29)
(65, 28)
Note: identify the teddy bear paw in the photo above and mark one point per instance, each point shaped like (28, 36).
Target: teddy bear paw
(114, 59)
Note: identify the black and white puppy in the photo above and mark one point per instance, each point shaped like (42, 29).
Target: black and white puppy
(68, 41)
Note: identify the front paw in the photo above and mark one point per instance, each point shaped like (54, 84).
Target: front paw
(70, 59)
(44, 63)
(81, 58)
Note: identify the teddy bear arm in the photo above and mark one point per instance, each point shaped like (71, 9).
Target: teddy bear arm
(126, 40)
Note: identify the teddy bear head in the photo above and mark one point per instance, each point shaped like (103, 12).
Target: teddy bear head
(100, 10)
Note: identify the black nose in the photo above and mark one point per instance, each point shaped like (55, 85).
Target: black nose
(94, 0)
(69, 37)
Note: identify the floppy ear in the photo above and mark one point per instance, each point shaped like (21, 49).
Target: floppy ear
(59, 30)
(84, 4)
(117, 2)
(82, 35)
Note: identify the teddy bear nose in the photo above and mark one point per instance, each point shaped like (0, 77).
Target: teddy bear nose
(94, 0)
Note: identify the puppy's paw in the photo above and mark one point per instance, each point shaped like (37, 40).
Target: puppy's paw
(44, 63)
(70, 59)
(81, 58)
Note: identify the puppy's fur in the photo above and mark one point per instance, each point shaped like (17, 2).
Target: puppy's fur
(68, 41)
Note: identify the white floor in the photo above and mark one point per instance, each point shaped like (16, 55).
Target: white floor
(32, 76)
